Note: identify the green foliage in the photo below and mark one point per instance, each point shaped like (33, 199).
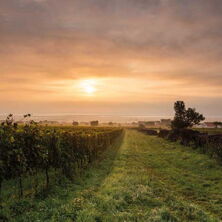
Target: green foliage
(147, 179)
(30, 149)
(185, 118)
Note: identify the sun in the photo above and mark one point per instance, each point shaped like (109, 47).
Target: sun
(88, 86)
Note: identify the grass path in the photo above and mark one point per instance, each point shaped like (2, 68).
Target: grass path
(147, 179)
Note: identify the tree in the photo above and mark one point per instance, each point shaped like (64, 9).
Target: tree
(185, 118)
(94, 123)
(217, 124)
(75, 123)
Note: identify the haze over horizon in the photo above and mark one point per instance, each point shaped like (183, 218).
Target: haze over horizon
(129, 57)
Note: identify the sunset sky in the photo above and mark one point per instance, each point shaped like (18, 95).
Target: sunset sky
(110, 56)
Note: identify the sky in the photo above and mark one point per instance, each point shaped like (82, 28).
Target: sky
(129, 57)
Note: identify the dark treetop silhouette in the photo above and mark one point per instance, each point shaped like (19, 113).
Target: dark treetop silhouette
(185, 118)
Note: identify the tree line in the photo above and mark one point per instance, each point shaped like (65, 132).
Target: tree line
(182, 131)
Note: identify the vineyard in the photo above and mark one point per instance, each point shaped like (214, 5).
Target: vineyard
(144, 178)
(205, 140)
(28, 150)
(67, 173)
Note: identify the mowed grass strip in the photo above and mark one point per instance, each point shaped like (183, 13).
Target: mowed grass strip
(155, 180)
(147, 179)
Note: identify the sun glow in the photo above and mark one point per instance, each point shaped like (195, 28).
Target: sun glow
(88, 86)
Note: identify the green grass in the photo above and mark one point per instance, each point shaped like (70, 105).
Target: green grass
(146, 179)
